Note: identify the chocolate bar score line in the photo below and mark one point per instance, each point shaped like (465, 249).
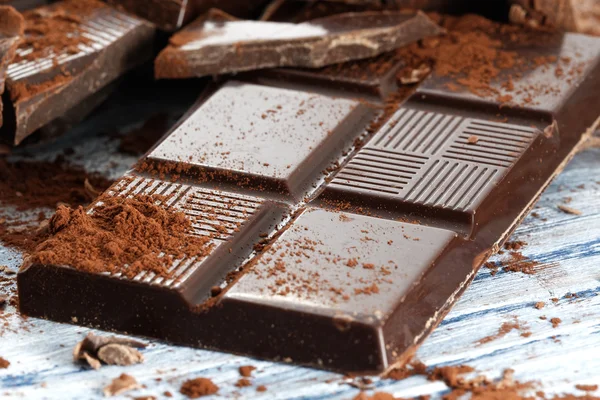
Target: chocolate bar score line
(356, 274)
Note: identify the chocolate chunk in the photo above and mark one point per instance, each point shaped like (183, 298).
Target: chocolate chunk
(173, 14)
(118, 354)
(371, 257)
(111, 350)
(216, 44)
(71, 50)
(278, 146)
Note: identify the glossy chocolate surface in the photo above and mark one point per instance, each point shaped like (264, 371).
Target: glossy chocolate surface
(277, 147)
(354, 274)
(39, 92)
(213, 44)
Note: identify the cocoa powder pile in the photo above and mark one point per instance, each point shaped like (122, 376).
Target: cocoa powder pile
(472, 55)
(121, 235)
(198, 387)
(39, 185)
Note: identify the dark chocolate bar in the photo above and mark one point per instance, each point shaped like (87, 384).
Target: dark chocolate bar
(91, 45)
(350, 272)
(171, 15)
(216, 44)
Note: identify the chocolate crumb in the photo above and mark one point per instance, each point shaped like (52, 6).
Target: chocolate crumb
(198, 387)
(587, 388)
(555, 322)
(473, 139)
(246, 370)
(261, 388)
(243, 383)
(539, 305)
(569, 210)
(4, 363)
(122, 384)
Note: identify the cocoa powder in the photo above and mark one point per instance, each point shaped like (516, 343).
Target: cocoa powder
(120, 235)
(29, 185)
(198, 387)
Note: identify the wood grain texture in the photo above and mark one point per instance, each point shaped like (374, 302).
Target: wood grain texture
(566, 246)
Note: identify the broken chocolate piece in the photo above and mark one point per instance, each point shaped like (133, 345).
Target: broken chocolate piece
(215, 44)
(112, 350)
(118, 354)
(71, 49)
(173, 14)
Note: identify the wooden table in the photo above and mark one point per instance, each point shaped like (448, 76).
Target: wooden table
(566, 246)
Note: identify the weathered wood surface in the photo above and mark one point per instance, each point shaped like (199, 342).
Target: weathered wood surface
(566, 246)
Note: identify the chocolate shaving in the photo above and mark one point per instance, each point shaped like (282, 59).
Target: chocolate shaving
(122, 384)
(568, 210)
(112, 350)
(118, 354)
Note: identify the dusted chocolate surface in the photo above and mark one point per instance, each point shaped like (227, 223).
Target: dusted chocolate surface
(357, 278)
(263, 138)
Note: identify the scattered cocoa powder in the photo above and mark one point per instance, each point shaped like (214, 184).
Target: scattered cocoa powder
(121, 235)
(28, 186)
(198, 387)
(520, 263)
(403, 372)
(504, 329)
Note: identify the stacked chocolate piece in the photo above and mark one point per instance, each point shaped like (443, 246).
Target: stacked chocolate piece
(329, 203)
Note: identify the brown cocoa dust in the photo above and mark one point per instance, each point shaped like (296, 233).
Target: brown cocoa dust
(198, 387)
(28, 185)
(120, 235)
